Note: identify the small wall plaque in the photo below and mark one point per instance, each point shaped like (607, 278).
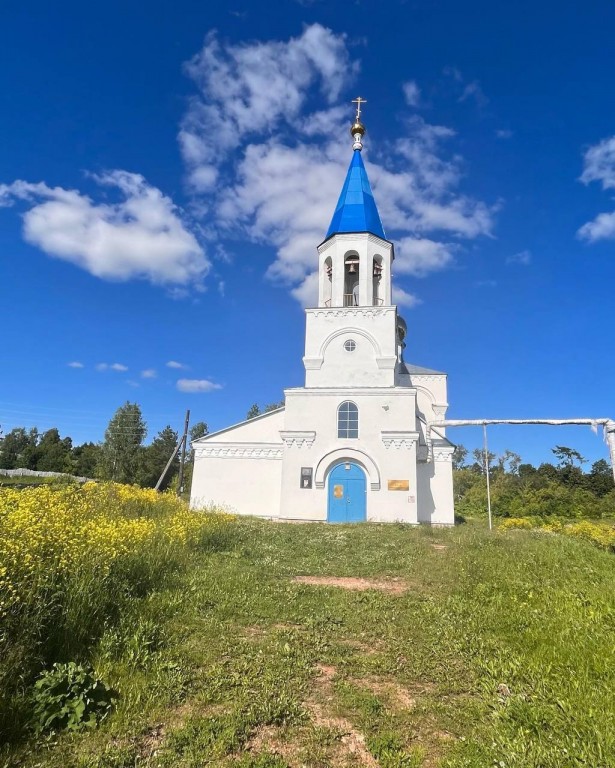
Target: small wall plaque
(399, 485)
(306, 477)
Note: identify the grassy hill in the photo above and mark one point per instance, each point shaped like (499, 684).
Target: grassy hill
(313, 645)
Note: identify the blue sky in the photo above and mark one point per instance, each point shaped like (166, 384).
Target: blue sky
(165, 177)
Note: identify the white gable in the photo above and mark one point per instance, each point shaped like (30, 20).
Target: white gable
(261, 429)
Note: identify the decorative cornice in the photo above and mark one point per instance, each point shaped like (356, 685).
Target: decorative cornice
(351, 237)
(351, 391)
(351, 311)
(298, 439)
(440, 410)
(239, 450)
(426, 376)
(399, 439)
(443, 454)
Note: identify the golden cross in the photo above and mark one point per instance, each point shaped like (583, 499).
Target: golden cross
(358, 101)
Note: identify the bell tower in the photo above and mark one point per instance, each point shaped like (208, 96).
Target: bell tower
(351, 337)
(349, 446)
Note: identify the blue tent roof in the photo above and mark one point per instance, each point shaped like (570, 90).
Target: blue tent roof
(356, 209)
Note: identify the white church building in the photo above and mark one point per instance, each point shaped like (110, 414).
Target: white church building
(349, 446)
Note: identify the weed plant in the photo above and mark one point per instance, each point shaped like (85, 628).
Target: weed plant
(72, 558)
(601, 534)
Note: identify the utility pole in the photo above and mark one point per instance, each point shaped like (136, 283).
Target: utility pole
(182, 442)
(182, 461)
(487, 474)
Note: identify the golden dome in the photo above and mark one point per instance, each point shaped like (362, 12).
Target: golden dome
(357, 127)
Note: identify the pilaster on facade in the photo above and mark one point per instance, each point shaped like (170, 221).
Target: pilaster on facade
(399, 439)
(298, 439)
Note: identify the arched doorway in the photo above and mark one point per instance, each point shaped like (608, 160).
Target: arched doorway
(347, 502)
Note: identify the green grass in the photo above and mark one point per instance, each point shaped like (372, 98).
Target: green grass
(500, 653)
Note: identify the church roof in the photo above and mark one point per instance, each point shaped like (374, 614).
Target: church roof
(417, 370)
(356, 208)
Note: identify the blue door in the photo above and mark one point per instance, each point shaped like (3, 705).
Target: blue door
(347, 502)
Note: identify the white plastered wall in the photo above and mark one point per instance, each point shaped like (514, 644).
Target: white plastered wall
(240, 468)
(386, 450)
(372, 364)
(435, 488)
(435, 477)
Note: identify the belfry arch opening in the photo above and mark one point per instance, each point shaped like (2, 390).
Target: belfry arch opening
(327, 279)
(377, 282)
(351, 279)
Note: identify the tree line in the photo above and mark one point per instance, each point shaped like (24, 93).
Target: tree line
(122, 456)
(566, 488)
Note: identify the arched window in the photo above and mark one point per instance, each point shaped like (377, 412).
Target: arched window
(348, 420)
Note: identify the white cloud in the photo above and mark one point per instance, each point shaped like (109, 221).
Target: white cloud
(197, 385)
(504, 133)
(474, 91)
(307, 292)
(601, 228)
(404, 299)
(470, 90)
(112, 367)
(149, 373)
(75, 364)
(248, 89)
(523, 257)
(143, 235)
(599, 164)
(412, 93)
(420, 256)
(273, 160)
(284, 196)
(176, 365)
